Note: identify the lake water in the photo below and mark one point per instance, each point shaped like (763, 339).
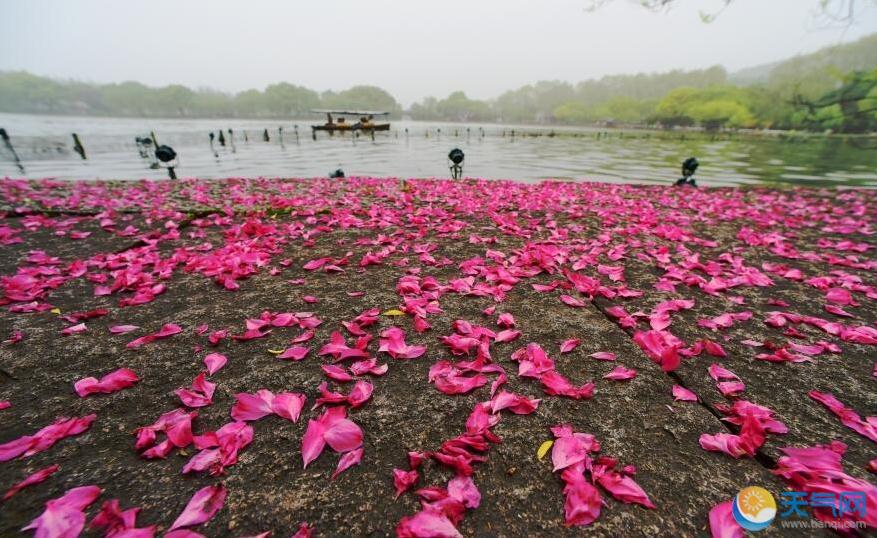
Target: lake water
(419, 149)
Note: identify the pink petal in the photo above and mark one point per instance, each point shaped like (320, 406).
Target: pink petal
(722, 522)
(730, 388)
(203, 505)
(74, 329)
(463, 489)
(507, 335)
(839, 296)
(348, 460)
(582, 505)
(312, 443)
(34, 478)
(569, 345)
(45, 438)
(122, 329)
(603, 355)
(621, 373)
(295, 353)
(404, 480)
(288, 405)
(112, 382)
(344, 435)
(64, 517)
(427, 523)
(214, 362)
(569, 300)
(336, 372)
(571, 449)
(201, 393)
(361, 393)
(682, 394)
(624, 488)
(252, 406)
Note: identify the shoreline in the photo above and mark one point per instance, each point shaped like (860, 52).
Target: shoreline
(547, 127)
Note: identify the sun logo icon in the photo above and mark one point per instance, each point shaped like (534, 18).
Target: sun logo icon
(754, 508)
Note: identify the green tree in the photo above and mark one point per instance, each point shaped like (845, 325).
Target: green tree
(173, 100)
(289, 100)
(574, 113)
(713, 115)
(675, 108)
(362, 97)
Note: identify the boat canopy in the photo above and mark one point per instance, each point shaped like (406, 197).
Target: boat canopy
(352, 112)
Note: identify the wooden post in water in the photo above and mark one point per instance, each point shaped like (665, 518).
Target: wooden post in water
(77, 146)
(8, 143)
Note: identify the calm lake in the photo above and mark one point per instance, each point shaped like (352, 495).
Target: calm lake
(419, 149)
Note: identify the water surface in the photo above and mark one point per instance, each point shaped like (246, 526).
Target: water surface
(419, 149)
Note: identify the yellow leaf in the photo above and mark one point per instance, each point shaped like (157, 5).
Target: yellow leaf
(394, 312)
(275, 351)
(543, 449)
(55, 311)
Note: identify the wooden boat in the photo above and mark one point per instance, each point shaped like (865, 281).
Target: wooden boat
(364, 121)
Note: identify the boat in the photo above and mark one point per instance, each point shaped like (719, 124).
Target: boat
(361, 120)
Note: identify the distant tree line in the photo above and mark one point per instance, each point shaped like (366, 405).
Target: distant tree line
(831, 89)
(27, 93)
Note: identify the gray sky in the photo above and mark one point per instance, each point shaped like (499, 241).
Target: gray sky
(412, 48)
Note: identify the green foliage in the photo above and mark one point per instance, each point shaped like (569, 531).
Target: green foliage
(362, 97)
(456, 107)
(24, 92)
(832, 89)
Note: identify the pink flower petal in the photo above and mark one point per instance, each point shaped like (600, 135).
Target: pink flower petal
(682, 394)
(203, 505)
(312, 443)
(348, 460)
(214, 362)
(112, 382)
(34, 478)
(64, 517)
(568, 345)
(621, 373)
(569, 300)
(295, 353)
(722, 522)
(122, 329)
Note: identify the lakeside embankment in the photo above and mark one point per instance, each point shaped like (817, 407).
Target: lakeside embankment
(408, 305)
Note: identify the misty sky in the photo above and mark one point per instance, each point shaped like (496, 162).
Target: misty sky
(412, 48)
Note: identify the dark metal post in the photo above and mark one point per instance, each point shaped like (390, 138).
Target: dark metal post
(77, 146)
